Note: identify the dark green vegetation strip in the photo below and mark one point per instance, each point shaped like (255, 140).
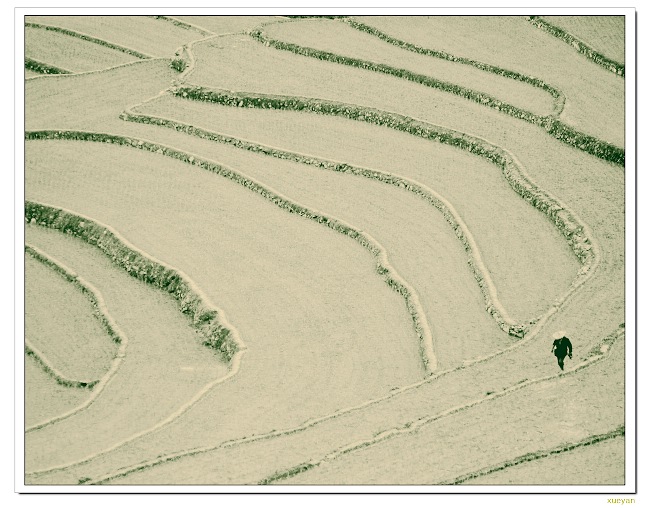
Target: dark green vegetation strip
(205, 319)
(181, 24)
(563, 219)
(541, 454)
(578, 45)
(89, 38)
(553, 126)
(531, 80)
(63, 381)
(43, 68)
(287, 474)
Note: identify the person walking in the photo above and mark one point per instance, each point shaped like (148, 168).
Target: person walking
(561, 347)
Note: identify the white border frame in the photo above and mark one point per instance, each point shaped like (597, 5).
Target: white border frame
(630, 274)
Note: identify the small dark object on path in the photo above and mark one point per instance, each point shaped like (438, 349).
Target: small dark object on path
(561, 347)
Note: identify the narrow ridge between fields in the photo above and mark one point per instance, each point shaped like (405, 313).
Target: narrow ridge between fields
(414, 426)
(540, 454)
(44, 68)
(184, 24)
(101, 313)
(41, 359)
(579, 45)
(575, 231)
(70, 75)
(592, 357)
(89, 38)
(552, 125)
(557, 94)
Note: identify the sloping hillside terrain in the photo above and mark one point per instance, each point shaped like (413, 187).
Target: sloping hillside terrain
(272, 250)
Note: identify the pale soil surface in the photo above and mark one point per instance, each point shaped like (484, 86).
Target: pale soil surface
(165, 362)
(44, 397)
(597, 464)
(228, 24)
(518, 244)
(148, 35)
(513, 43)
(605, 34)
(70, 53)
(317, 342)
(556, 412)
(59, 322)
(341, 39)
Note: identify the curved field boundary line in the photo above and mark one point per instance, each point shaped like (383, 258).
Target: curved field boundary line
(183, 24)
(540, 454)
(123, 472)
(208, 319)
(106, 320)
(550, 124)
(475, 262)
(89, 38)
(98, 71)
(383, 267)
(577, 44)
(575, 231)
(554, 92)
(44, 68)
(58, 376)
(416, 425)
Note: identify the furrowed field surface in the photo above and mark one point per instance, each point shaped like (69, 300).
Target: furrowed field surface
(71, 53)
(321, 241)
(44, 397)
(140, 33)
(333, 36)
(605, 34)
(598, 464)
(148, 385)
(59, 322)
(502, 220)
(594, 96)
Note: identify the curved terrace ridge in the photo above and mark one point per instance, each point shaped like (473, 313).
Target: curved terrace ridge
(208, 319)
(579, 45)
(552, 125)
(539, 454)
(101, 312)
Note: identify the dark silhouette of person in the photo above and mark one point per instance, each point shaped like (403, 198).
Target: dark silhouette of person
(561, 348)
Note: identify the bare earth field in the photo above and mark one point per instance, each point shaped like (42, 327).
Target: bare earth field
(323, 252)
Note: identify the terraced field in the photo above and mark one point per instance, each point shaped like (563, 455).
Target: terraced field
(264, 250)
